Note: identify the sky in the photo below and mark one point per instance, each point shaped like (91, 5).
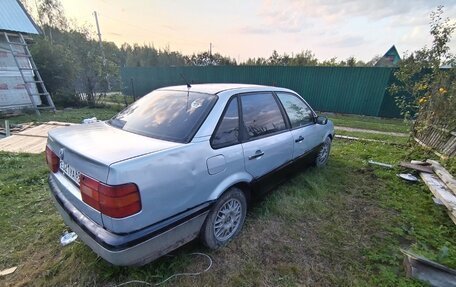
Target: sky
(254, 28)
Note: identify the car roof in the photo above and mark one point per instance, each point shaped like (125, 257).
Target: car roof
(223, 87)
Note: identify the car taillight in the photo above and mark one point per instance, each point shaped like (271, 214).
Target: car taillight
(52, 160)
(113, 200)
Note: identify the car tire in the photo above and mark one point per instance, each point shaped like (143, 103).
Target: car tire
(225, 220)
(323, 154)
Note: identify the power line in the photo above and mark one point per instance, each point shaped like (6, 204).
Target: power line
(150, 31)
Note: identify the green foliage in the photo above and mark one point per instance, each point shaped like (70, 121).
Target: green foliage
(305, 58)
(206, 59)
(56, 65)
(72, 66)
(147, 56)
(50, 13)
(424, 89)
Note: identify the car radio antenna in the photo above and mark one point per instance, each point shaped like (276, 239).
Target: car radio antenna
(188, 87)
(185, 80)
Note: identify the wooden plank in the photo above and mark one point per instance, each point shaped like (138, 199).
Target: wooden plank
(429, 271)
(32, 140)
(23, 144)
(422, 168)
(439, 189)
(444, 175)
(452, 215)
(366, 140)
(8, 271)
(442, 156)
(41, 130)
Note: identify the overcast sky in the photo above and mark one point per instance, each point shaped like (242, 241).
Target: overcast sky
(252, 28)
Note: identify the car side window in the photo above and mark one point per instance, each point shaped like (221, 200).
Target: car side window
(298, 112)
(227, 132)
(261, 114)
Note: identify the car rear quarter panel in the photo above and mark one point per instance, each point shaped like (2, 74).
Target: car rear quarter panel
(173, 181)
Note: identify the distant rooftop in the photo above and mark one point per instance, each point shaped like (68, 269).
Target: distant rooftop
(390, 59)
(14, 18)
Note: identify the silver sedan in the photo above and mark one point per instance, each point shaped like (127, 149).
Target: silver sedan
(182, 162)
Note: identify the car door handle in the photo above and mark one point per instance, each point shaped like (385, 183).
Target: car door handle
(257, 154)
(299, 140)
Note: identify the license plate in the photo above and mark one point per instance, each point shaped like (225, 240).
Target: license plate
(70, 172)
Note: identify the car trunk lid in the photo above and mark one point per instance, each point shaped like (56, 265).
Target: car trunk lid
(90, 149)
(105, 144)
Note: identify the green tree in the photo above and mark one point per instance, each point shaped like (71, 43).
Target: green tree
(304, 58)
(205, 59)
(56, 66)
(425, 80)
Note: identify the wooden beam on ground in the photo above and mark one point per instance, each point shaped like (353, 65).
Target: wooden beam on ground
(441, 191)
(32, 140)
(422, 168)
(452, 215)
(444, 175)
(429, 271)
(366, 140)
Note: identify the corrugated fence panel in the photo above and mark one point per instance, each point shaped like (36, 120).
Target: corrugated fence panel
(357, 90)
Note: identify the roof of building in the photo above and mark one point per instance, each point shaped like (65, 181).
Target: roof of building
(390, 59)
(222, 87)
(14, 18)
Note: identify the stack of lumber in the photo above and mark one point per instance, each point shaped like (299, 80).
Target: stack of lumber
(442, 185)
(30, 140)
(17, 128)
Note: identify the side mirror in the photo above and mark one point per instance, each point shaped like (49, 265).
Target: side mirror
(322, 120)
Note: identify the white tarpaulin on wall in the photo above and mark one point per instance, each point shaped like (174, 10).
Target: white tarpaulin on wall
(13, 92)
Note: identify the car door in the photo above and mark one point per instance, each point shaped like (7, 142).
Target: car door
(305, 132)
(267, 141)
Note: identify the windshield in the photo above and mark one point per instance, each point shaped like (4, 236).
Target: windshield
(168, 115)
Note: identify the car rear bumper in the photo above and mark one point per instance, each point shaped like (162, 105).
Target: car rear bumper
(135, 248)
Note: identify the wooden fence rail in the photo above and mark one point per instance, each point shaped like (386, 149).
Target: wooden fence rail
(440, 138)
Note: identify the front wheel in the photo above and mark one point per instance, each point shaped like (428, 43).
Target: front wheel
(323, 154)
(225, 220)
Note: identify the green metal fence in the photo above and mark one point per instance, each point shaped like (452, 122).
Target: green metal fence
(357, 90)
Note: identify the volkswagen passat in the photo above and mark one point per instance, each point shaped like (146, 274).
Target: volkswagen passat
(182, 162)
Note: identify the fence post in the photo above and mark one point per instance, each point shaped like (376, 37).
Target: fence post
(7, 128)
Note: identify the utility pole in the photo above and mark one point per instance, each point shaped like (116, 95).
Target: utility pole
(101, 48)
(99, 38)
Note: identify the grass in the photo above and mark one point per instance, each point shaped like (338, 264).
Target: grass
(115, 100)
(66, 115)
(364, 135)
(369, 123)
(341, 225)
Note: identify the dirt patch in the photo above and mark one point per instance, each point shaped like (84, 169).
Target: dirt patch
(371, 131)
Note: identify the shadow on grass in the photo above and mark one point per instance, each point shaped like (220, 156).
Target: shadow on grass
(341, 225)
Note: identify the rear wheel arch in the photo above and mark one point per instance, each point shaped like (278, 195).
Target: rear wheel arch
(245, 188)
(240, 180)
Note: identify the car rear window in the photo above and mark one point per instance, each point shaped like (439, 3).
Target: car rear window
(168, 115)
